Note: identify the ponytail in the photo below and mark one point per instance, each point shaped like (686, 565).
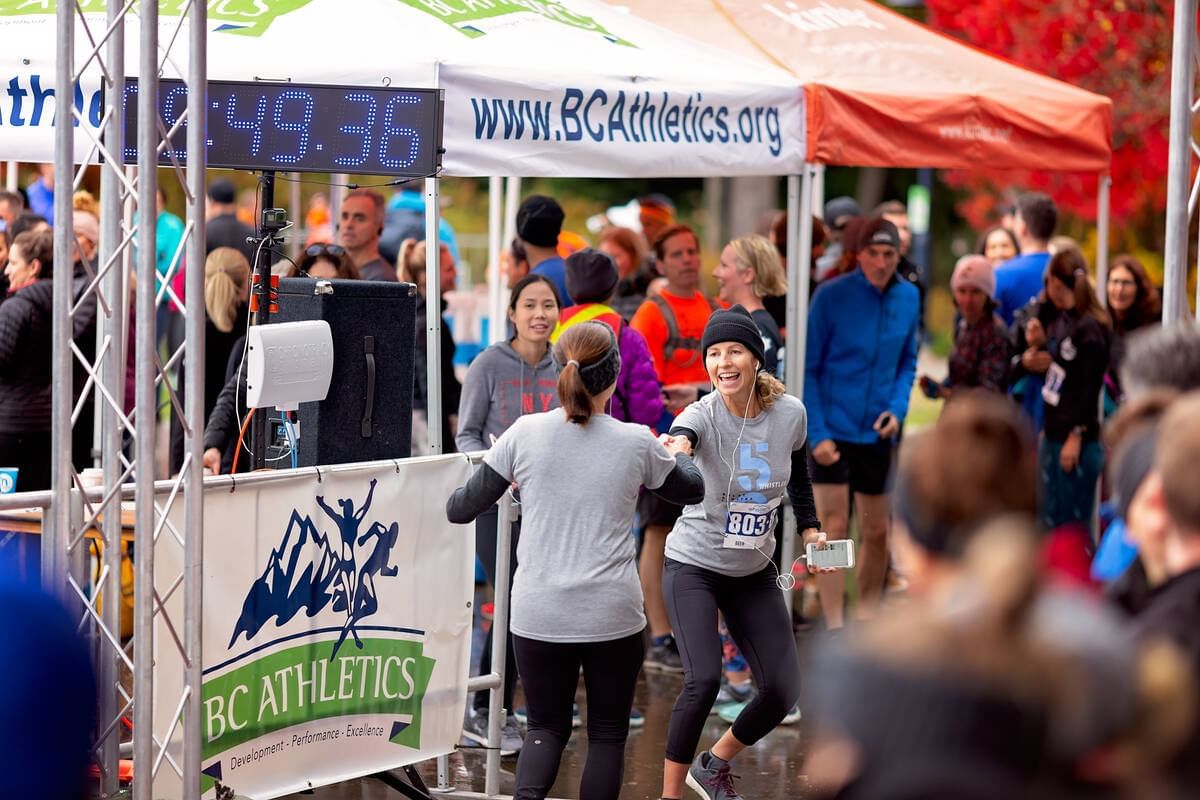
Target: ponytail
(589, 361)
(573, 395)
(767, 388)
(226, 273)
(409, 254)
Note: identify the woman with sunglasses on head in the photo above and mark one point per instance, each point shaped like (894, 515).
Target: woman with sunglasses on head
(325, 261)
(575, 535)
(505, 382)
(750, 440)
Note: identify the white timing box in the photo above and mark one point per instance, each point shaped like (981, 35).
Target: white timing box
(288, 363)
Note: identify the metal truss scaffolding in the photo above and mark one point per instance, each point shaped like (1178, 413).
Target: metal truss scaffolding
(83, 545)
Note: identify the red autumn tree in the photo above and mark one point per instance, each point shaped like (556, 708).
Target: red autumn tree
(1118, 48)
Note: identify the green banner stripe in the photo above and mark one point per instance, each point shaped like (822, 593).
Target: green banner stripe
(302, 685)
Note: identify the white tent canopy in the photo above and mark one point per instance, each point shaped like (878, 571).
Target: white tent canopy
(532, 87)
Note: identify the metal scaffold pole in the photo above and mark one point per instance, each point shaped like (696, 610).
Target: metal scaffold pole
(145, 395)
(193, 471)
(1180, 203)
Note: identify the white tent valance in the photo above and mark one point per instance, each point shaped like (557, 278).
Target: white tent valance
(532, 87)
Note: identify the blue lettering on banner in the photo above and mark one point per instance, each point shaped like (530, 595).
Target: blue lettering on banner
(638, 117)
(31, 102)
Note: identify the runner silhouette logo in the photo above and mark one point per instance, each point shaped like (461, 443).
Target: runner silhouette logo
(309, 572)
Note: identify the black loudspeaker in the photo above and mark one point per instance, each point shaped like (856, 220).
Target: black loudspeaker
(367, 414)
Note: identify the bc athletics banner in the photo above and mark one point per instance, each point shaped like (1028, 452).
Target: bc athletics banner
(532, 87)
(336, 626)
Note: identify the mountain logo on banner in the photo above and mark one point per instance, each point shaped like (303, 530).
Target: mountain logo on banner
(308, 572)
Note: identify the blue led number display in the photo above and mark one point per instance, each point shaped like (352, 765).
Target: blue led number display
(399, 137)
(303, 101)
(253, 123)
(363, 129)
(303, 127)
(174, 103)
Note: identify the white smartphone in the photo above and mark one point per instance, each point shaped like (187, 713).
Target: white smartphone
(837, 554)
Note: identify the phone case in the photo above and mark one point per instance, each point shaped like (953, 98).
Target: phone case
(846, 544)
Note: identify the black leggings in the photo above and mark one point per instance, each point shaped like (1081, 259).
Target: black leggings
(758, 622)
(550, 673)
(485, 548)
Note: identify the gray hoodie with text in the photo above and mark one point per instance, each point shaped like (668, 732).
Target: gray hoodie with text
(500, 387)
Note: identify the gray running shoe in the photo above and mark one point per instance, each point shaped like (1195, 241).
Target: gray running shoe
(714, 781)
(731, 693)
(664, 658)
(475, 730)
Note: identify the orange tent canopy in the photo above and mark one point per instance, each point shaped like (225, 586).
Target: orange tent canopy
(884, 91)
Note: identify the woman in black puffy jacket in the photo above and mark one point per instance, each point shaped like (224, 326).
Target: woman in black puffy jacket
(25, 336)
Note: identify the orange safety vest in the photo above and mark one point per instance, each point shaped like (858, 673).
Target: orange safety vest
(586, 312)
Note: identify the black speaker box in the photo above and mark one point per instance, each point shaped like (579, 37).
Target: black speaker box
(367, 414)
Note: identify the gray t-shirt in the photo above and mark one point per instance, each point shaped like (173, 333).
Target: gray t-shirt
(577, 576)
(762, 453)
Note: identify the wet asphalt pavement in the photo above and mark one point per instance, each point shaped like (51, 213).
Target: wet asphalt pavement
(770, 769)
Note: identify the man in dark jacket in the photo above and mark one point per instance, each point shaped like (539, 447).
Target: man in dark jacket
(223, 228)
(1167, 506)
(896, 213)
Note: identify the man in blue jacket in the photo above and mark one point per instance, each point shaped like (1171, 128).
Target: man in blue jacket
(862, 356)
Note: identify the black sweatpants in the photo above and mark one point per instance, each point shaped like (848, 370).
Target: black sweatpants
(550, 674)
(485, 548)
(758, 622)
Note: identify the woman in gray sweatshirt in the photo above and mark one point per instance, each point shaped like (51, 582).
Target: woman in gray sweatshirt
(505, 382)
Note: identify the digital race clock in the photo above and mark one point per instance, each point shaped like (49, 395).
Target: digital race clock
(304, 127)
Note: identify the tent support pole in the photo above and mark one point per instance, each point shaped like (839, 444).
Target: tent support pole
(799, 271)
(1179, 163)
(512, 201)
(496, 299)
(433, 317)
(1102, 227)
(799, 267)
(792, 359)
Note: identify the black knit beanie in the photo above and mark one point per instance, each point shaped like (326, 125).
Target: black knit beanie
(734, 325)
(591, 275)
(596, 375)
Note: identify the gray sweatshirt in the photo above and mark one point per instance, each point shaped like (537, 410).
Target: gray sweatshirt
(499, 389)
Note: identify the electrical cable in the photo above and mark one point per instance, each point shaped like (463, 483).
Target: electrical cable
(291, 436)
(785, 582)
(352, 186)
(241, 434)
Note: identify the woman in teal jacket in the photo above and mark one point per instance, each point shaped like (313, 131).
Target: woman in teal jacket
(860, 363)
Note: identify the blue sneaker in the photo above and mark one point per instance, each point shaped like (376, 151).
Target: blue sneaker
(636, 718)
